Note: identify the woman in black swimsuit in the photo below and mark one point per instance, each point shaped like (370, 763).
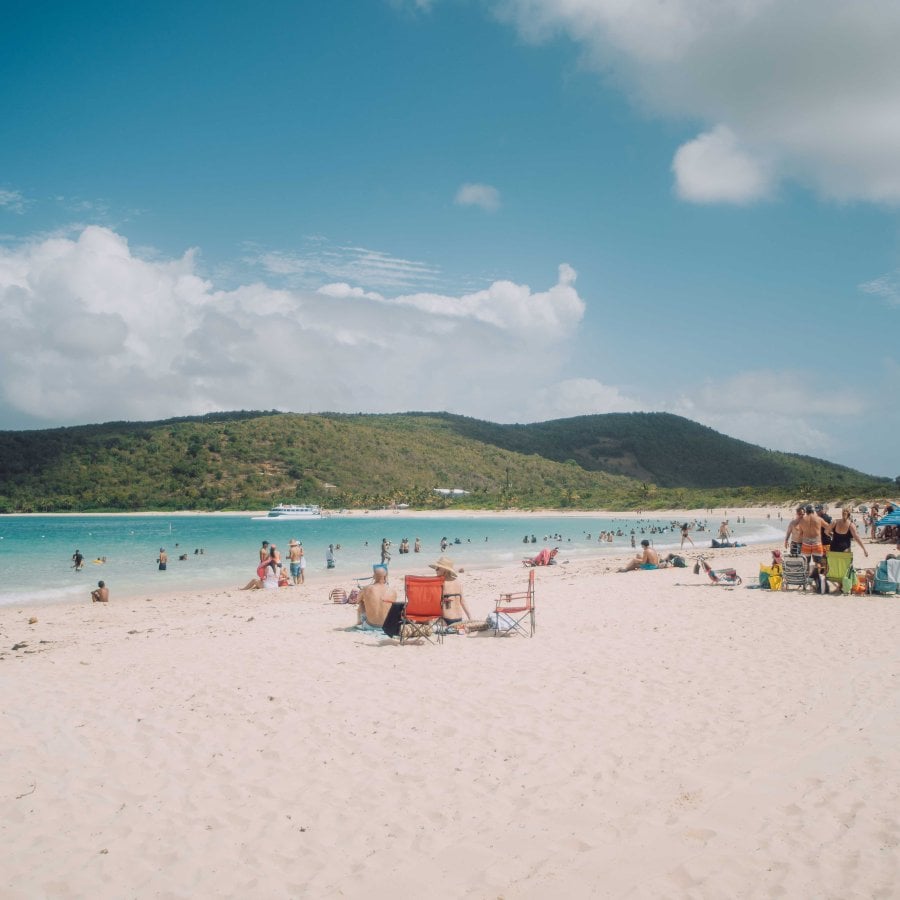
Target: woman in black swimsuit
(843, 533)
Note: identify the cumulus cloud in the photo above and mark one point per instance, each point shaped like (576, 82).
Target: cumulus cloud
(89, 331)
(481, 195)
(812, 86)
(713, 168)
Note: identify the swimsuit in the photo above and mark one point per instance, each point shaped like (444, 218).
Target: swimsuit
(840, 543)
(649, 566)
(810, 549)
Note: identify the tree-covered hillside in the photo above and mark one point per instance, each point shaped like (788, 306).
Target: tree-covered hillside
(252, 460)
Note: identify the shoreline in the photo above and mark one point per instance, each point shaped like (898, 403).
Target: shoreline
(750, 511)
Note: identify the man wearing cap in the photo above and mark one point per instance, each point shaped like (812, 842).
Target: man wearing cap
(295, 555)
(375, 600)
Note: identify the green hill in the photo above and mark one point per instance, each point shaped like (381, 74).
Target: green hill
(250, 460)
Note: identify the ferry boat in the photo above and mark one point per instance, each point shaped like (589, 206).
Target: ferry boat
(291, 511)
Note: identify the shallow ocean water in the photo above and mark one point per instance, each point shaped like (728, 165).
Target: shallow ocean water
(36, 551)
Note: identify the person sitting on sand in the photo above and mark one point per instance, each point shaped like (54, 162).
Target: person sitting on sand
(375, 600)
(101, 593)
(649, 559)
(453, 602)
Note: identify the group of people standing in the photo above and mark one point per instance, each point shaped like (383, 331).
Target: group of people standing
(812, 533)
(271, 572)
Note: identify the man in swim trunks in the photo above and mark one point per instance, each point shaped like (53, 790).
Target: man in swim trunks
(811, 535)
(295, 554)
(163, 559)
(375, 599)
(649, 559)
(793, 532)
(100, 594)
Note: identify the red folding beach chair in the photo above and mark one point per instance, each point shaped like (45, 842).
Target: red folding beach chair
(514, 611)
(423, 609)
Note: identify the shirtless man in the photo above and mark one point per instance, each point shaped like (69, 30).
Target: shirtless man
(100, 594)
(649, 559)
(296, 555)
(811, 527)
(793, 532)
(375, 599)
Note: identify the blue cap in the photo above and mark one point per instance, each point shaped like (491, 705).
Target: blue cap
(381, 566)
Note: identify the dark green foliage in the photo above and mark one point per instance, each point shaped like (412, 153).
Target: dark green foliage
(250, 460)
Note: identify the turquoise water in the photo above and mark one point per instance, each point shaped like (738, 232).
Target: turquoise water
(36, 551)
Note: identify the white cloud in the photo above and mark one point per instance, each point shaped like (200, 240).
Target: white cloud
(784, 410)
(576, 397)
(91, 332)
(481, 195)
(12, 200)
(513, 307)
(886, 286)
(351, 264)
(712, 169)
(812, 85)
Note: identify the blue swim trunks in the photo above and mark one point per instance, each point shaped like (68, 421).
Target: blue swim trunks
(295, 570)
(649, 566)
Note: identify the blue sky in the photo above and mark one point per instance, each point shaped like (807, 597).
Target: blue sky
(515, 210)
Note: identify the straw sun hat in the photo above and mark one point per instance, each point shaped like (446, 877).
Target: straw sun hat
(445, 564)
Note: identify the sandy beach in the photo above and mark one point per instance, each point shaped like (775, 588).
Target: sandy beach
(658, 737)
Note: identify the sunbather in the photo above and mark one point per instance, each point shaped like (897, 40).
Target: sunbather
(649, 559)
(375, 599)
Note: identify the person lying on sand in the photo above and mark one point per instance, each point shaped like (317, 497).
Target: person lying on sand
(649, 559)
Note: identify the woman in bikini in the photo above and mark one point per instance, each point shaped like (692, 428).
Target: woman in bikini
(453, 602)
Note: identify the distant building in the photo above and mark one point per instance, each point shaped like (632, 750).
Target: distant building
(455, 492)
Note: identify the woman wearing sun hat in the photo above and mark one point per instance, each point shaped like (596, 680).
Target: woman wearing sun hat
(453, 602)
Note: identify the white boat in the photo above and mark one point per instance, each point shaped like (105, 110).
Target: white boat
(291, 511)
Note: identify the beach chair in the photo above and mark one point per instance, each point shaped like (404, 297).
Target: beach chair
(338, 595)
(514, 611)
(795, 573)
(423, 609)
(840, 569)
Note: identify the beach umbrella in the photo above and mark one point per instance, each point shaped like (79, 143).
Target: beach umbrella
(892, 518)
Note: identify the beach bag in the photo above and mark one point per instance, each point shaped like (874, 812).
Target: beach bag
(679, 561)
(770, 577)
(883, 584)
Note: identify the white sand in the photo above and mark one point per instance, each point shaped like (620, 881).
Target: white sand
(658, 737)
